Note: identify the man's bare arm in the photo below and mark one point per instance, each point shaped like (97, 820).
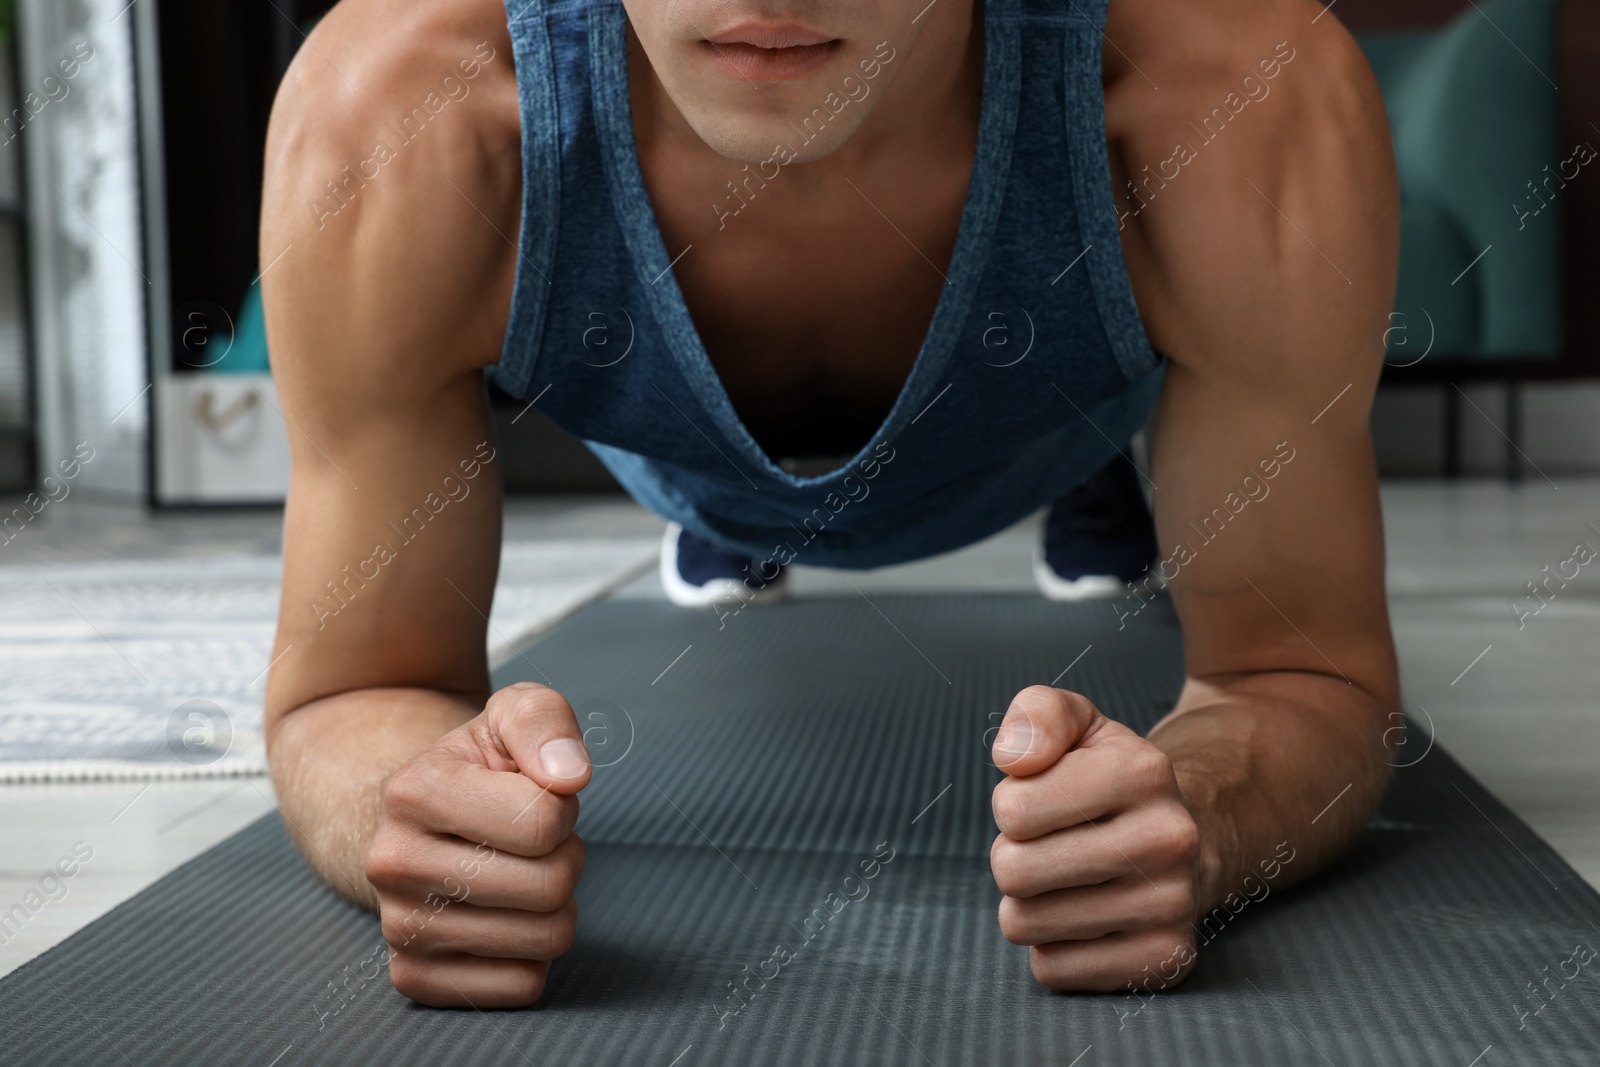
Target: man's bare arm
(1266, 270)
(1261, 245)
(381, 318)
(393, 193)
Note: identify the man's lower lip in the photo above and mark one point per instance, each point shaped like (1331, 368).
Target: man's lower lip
(771, 64)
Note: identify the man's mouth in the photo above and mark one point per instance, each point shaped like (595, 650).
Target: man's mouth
(767, 51)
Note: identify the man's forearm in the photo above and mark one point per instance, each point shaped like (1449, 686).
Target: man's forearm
(330, 759)
(1267, 759)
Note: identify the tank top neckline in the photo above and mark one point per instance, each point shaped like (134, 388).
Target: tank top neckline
(652, 263)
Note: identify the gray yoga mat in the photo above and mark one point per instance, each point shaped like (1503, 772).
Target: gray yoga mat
(748, 768)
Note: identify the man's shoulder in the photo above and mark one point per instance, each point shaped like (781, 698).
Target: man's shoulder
(1168, 62)
(1254, 182)
(392, 180)
(372, 64)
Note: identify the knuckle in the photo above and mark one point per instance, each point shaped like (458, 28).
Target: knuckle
(525, 981)
(554, 816)
(408, 976)
(564, 937)
(1180, 837)
(1040, 703)
(1168, 959)
(406, 794)
(557, 931)
(1077, 704)
(1075, 708)
(1150, 768)
(526, 696)
(1175, 903)
(386, 861)
(1039, 697)
(396, 931)
(546, 888)
(555, 877)
(1014, 926)
(1050, 968)
(1011, 807)
(563, 878)
(518, 692)
(541, 827)
(1005, 862)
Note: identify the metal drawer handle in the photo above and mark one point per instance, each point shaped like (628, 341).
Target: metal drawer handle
(216, 421)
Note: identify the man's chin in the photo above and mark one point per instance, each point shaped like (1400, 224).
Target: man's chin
(780, 140)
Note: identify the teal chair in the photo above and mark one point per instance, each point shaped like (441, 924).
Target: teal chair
(1476, 126)
(247, 347)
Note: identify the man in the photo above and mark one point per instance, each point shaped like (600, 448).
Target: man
(836, 283)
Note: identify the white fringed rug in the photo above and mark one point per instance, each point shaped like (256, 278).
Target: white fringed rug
(155, 669)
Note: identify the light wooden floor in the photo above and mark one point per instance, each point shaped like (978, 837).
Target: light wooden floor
(1517, 706)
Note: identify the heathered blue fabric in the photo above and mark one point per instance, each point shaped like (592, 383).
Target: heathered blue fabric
(1034, 371)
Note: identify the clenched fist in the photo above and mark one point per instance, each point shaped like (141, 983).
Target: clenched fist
(475, 861)
(1098, 853)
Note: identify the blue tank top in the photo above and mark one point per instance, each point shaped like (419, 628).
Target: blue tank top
(1034, 372)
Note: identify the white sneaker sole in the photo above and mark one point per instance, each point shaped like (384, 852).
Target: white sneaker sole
(1089, 587)
(719, 591)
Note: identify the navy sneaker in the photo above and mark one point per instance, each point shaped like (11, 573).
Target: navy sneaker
(696, 572)
(1097, 538)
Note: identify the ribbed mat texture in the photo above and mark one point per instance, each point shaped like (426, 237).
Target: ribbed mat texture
(746, 766)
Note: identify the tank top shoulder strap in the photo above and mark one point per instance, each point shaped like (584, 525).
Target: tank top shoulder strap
(548, 41)
(1082, 24)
